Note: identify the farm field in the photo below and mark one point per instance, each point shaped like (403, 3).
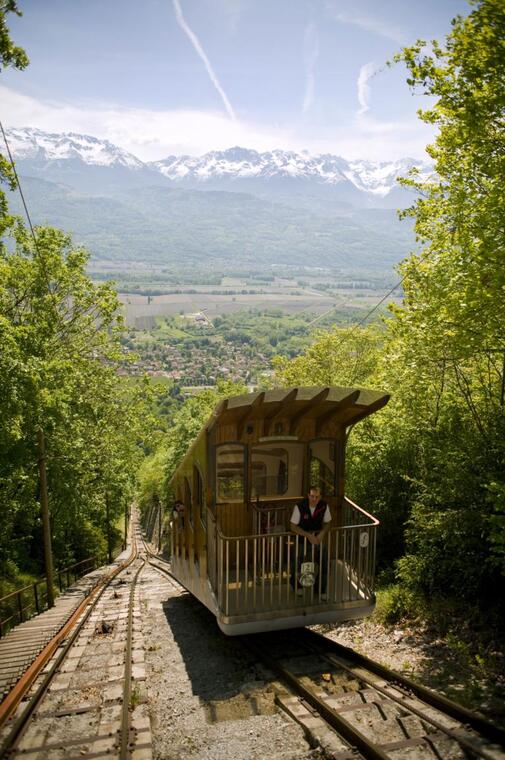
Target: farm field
(142, 310)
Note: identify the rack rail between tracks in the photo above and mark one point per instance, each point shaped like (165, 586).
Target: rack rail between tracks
(445, 720)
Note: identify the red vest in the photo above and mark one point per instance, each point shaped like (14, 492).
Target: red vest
(311, 522)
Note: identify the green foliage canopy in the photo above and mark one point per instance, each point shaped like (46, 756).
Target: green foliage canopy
(60, 338)
(432, 464)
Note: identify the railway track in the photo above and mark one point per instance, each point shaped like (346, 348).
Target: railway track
(348, 705)
(83, 700)
(376, 713)
(352, 706)
(161, 566)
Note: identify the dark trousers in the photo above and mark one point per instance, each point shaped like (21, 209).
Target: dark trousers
(305, 554)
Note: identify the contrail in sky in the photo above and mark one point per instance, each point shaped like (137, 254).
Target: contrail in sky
(366, 72)
(201, 52)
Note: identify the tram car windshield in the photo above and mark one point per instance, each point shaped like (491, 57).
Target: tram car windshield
(263, 533)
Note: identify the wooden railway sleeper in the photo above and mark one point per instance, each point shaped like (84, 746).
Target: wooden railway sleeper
(343, 727)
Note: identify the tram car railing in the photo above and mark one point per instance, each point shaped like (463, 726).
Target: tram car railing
(264, 572)
(269, 518)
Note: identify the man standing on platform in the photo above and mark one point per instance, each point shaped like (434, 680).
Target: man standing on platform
(310, 520)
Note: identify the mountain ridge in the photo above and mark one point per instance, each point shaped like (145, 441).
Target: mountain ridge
(69, 156)
(276, 207)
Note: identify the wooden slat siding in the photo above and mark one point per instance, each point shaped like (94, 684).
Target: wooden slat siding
(234, 519)
(200, 537)
(307, 408)
(225, 433)
(278, 403)
(193, 536)
(246, 416)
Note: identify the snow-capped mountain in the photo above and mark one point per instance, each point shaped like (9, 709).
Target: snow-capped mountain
(94, 165)
(274, 207)
(81, 161)
(245, 169)
(242, 163)
(34, 144)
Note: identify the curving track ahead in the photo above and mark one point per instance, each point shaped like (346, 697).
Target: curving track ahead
(56, 710)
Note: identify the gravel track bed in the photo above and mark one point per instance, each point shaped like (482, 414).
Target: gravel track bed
(207, 697)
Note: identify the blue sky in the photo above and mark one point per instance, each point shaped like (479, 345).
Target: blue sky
(161, 77)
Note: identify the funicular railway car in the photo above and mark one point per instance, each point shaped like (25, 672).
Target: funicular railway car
(232, 546)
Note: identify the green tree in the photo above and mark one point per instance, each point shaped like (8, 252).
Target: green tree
(342, 356)
(449, 330)
(432, 463)
(455, 289)
(60, 339)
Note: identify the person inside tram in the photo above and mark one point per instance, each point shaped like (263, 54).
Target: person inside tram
(179, 513)
(310, 520)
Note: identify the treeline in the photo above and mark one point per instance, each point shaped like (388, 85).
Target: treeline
(59, 337)
(157, 291)
(58, 373)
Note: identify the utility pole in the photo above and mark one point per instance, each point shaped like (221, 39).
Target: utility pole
(125, 524)
(160, 515)
(109, 537)
(46, 525)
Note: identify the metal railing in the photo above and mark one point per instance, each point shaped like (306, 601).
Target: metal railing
(262, 572)
(270, 518)
(24, 603)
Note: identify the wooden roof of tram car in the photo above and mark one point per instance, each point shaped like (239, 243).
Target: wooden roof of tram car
(323, 405)
(251, 417)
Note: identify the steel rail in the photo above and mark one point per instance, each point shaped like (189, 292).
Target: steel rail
(163, 570)
(125, 714)
(73, 625)
(343, 727)
(444, 704)
(406, 703)
(319, 645)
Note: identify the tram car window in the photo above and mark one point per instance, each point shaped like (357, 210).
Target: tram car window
(252, 463)
(230, 468)
(322, 466)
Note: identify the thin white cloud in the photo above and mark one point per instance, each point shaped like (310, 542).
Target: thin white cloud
(310, 55)
(152, 135)
(366, 72)
(148, 134)
(373, 25)
(201, 52)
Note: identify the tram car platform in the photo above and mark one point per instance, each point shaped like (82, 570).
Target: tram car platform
(232, 546)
